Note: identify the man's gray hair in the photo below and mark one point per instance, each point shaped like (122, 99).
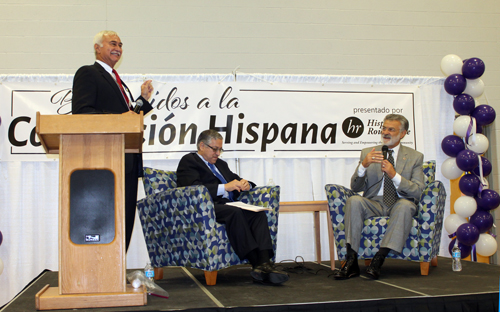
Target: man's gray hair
(98, 38)
(402, 120)
(207, 136)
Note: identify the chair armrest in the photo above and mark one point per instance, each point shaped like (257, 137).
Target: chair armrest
(337, 196)
(430, 217)
(264, 196)
(431, 206)
(176, 217)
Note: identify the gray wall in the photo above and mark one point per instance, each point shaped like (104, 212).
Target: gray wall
(397, 38)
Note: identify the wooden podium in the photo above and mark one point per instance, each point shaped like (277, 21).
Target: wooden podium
(92, 267)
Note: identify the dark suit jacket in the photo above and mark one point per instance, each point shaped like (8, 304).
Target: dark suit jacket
(193, 171)
(96, 92)
(409, 165)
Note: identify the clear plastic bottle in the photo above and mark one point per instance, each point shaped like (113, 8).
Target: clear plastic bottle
(271, 182)
(149, 271)
(456, 255)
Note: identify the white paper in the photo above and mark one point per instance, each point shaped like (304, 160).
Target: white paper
(248, 207)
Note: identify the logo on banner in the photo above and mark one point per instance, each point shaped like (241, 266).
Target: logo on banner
(353, 127)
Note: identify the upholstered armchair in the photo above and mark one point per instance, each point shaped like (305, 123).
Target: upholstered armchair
(423, 242)
(179, 224)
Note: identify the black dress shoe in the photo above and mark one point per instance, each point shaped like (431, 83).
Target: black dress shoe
(349, 269)
(373, 269)
(266, 273)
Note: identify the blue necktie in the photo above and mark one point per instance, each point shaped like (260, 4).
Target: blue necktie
(220, 177)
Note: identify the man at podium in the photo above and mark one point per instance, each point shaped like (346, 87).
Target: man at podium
(98, 89)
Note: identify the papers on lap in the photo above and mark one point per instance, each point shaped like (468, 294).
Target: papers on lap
(248, 207)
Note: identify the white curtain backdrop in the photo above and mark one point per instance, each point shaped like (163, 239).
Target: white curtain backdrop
(29, 190)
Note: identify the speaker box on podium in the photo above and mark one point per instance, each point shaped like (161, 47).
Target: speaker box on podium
(92, 267)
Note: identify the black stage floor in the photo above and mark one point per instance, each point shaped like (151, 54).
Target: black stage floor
(312, 288)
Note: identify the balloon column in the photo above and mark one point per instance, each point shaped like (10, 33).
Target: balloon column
(472, 218)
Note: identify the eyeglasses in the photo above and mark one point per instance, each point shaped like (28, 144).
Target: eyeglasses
(390, 129)
(216, 149)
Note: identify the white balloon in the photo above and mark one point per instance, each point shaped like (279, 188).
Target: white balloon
(486, 245)
(451, 64)
(461, 124)
(481, 144)
(1, 266)
(474, 88)
(452, 222)
(465, 206)
(450, 170)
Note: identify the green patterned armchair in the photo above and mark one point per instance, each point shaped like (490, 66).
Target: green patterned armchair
(179, 223)
(423, 242)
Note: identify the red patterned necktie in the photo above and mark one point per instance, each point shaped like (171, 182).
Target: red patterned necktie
(119, 81)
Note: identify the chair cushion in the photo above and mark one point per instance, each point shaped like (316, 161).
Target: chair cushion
(156, 180)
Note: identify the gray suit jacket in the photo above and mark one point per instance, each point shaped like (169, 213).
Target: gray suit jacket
(409, 165)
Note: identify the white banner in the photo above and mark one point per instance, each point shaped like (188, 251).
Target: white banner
(257, 120)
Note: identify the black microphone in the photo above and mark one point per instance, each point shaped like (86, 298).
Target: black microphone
(138, 106)
(385, 148)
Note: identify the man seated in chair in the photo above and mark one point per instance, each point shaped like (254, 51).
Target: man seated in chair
(247, 231)
(389, 190)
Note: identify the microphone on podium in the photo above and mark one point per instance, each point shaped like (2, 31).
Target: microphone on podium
(385, 148)
(138, 106)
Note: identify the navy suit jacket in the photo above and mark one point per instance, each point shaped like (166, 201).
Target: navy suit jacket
(193, 171)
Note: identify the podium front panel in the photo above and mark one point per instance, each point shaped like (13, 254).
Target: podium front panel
(91, 268)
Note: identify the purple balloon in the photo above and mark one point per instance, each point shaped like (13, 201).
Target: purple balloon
(483, 220)
(484, 115)
(452, 144)
(467, 160)
(473, 68)
(455, 84)
(489, 200)
(1, 238)
(464, 104)
(479, 129)
(469, 184)
(487, 167)
(467, 234)
(464, 249)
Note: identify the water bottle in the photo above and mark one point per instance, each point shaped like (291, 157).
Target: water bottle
(456, 255)
(149, 271)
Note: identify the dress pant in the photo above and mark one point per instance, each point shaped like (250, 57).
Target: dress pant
(358, 209)
(131, 183)
(246, 230)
